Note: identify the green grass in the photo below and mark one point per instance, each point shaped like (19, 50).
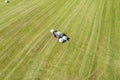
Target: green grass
(28, 51)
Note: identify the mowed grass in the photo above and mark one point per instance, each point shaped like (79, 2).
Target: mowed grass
(28, 51)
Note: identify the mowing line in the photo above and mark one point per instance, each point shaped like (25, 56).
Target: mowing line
(14, 45)
(43, 11)
(44, 30)
(49, 25)
(18, 39)
(43, 17)
(111, 69)
(30, 42)
(81, 23)
(98, 37)
(14, 9)
(75, 11)
(34, 16)
(68, 21)
(81, 47)
(3, 12)
(17, 17)
(88, 48)
(68, 18)
(23, 58)
(108, 51)
(54, 44)
(79, 38)
(104, 68)
(32, 47)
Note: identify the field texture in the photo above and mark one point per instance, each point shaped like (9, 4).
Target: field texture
(28, 51)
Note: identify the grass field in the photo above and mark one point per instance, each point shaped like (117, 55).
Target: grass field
(28, 51)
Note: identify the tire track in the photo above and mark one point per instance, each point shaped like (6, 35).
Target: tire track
(18, 27)
(98, 36)
(18, 38)
(82, 46)
(3, 7)
(87, 50)
(67, 21)
(72, 13)
(22, 60)
(81, 33)
(5, 14)
(108, 31)
(39, 35)
(49, 51)
(18, 17)
(51, 24)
